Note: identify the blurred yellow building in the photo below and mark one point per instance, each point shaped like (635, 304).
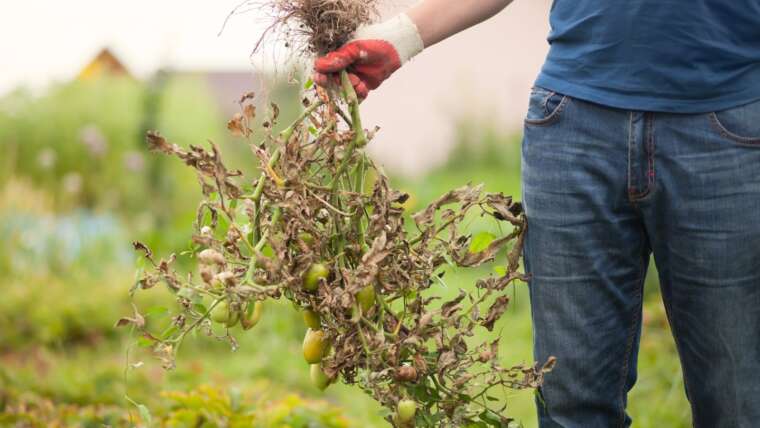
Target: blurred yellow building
(105, 63)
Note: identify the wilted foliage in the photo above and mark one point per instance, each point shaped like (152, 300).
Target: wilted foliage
(322, 227)
(314, 229)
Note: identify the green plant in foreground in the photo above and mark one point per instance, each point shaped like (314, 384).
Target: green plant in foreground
(204, 406)
(313, 229)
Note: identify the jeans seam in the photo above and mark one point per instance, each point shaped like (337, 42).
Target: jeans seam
(649, 135)
(718, 126)
(650, 141)
(632, 331)
(546, 101)
(631, 187)
(553, 116)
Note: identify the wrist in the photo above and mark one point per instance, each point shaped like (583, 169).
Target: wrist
(400, 31)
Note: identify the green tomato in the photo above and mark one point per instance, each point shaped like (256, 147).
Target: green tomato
(314, 346)
(316, 272)
(366, 298)
(222, 314)
(406, 410)
(307, 238)
(318, 377)
(252, 315)
(312, 319)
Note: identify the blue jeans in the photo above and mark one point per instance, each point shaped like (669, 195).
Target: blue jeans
(603, 189)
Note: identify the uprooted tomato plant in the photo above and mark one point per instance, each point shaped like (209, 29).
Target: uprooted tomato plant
(321, 227)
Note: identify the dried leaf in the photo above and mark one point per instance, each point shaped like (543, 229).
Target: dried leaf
(495, 312)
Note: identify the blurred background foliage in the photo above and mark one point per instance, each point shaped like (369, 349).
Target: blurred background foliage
(77, 186)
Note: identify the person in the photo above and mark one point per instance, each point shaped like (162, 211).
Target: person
(642, 136)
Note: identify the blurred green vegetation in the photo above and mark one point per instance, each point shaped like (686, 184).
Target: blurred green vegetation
(77, 186)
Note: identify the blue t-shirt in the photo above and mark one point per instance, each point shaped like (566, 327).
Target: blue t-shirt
(682, 56)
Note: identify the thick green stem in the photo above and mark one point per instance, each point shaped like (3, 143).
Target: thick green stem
(288, 132)
(360, 138)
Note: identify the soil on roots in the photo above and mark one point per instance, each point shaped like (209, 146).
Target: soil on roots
(318, 26)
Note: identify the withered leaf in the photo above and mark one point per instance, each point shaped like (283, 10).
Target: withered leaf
(139, 246)
(275, 111)
(465, 195)
(157, 143)
(237, 127)
(137, 320)
(470, 259)
(495, 312)
(451, 307)
(249, 111)
(247, 96)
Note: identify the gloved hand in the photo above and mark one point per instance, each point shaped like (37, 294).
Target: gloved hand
(375, 52)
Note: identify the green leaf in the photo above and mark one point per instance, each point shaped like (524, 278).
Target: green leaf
(385, 412)
(156, 311)
(145, 342)
(309, 84)
(492, 419)
(224, 225)
(168, 333)
(481, 241)
(267, 251)
(200, 308)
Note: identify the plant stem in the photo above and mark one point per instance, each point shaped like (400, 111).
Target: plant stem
(284, 136)
(178, 341)
(360, 138)
(276, 213)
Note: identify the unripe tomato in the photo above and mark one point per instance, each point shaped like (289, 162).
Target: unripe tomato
(318, 377)
(312, 319)
(252, 315)
(366, 298)
(311, 278)
(314, 346)
(406, 410)
(307, 238)
(222, 314)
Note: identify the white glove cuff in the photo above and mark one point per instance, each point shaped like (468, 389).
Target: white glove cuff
(399, 31)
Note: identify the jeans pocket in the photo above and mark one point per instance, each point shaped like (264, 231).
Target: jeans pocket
(739, 124)
(545, 106)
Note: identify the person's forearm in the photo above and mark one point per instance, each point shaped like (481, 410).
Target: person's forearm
(437, 20)
(378, 50)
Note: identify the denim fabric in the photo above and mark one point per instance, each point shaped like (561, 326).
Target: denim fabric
(603, 189)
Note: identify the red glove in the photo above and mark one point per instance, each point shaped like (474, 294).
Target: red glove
(375, 53)
(369, 63)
